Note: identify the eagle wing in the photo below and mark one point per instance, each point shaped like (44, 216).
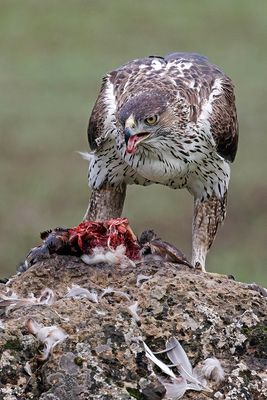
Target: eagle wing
(223, 121)
(102, 114)
(206, 83)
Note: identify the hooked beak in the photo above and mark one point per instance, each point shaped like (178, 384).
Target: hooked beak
(133, 139)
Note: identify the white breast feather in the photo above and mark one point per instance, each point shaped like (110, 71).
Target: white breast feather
(111, 107)
(207, 105)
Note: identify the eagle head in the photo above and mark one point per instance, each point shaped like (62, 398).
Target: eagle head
(142, 118)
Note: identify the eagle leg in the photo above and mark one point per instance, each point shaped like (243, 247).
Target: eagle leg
(106, 202)
(208, 215)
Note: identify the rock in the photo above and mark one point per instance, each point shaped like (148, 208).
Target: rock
(103, 355)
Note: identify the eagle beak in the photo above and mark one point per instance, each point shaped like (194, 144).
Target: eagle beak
(127, 135)
(132, 139)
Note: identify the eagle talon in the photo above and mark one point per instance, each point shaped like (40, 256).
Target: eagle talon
(198, 266)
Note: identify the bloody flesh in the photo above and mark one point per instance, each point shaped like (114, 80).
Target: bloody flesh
(108, 234)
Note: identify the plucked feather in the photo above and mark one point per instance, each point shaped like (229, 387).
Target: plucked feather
(155, 360)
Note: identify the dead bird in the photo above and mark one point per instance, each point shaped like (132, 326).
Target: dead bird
(104, 235)
(154, 247)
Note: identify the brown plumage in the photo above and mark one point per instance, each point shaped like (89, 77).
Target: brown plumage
(153, 247)
(168, 120)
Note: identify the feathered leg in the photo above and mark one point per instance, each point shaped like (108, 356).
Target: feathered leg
(208, 215)
(106, 202)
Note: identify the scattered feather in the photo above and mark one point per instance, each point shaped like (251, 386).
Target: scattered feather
(12, 302)
(50, 336)
(133, 308)
(176, 389)
(27, 368)
(12, 296)
(164, 351)
(33, 326)
(47, 297)
(188, 378)
(110, 290)
(142, 278)
(2, 325)
(213, 370)
(164, 368)
(77, 291)
(178, 357)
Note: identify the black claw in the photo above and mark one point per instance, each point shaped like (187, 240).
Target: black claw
(198, 265)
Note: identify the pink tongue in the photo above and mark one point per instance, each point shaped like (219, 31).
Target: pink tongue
(131, 146)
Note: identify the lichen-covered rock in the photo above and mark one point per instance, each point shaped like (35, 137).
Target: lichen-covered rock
(103, 355)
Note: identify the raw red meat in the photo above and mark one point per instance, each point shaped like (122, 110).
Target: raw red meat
(108, 234)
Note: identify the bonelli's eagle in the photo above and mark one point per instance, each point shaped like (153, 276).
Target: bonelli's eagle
(169, 120)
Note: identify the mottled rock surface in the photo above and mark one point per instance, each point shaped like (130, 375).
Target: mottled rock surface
(103, 356)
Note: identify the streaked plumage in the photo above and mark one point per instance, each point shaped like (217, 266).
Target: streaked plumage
(168, 120)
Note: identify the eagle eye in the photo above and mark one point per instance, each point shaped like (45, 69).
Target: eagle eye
(151, 120)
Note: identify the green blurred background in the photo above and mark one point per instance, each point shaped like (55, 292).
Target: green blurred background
(53, 56)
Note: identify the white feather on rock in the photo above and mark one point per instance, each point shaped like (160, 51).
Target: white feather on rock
(159, 363)
(213, 370)
(50, 336)
(13, 301)
(178, 357)
(133, 308)
(176, 389)
(188, 378)
(110, 290)
(77, 291)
